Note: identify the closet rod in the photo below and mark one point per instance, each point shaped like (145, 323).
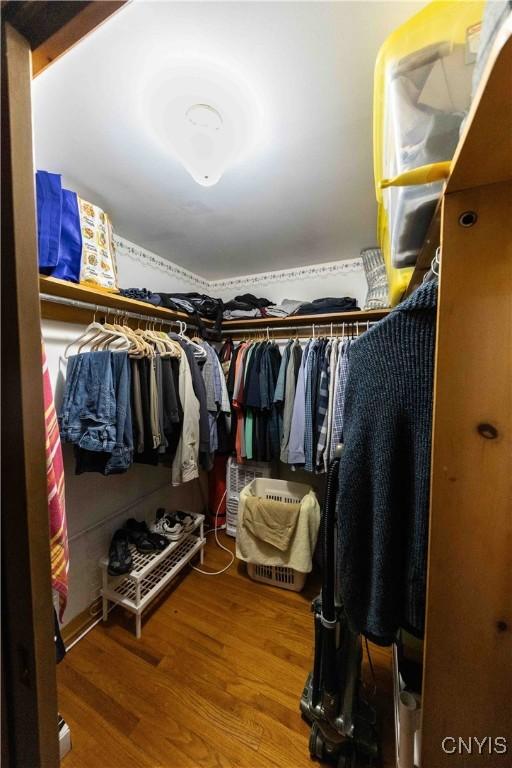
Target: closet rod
(108, 310)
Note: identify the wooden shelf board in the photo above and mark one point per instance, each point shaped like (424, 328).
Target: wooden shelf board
(303, 320)
(484, 152)
(55, 287)
(487, 136)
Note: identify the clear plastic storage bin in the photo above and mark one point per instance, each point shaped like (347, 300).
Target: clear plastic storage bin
(422, 94)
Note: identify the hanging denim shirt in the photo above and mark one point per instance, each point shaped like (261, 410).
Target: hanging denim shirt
(87, 415)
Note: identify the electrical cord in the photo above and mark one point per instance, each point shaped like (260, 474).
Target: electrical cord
(221, 546)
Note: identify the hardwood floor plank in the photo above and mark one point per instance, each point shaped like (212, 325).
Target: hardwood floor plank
(214, 682)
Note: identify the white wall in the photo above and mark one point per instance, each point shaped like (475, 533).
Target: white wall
(336, 278)
(139, 268)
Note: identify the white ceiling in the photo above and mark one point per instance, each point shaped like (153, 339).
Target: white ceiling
(304, 195)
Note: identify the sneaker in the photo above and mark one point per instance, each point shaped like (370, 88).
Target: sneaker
(169, 527)
(139, 534)
(186, 519)
(159, 542)
(119, 557)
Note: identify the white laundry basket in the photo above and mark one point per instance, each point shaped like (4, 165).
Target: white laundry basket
(240, 475)
(278, 575)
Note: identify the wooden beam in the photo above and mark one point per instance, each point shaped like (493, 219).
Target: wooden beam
(468, 649)
(484, 153)
(54, 27)
(27, 612)
(64, 38)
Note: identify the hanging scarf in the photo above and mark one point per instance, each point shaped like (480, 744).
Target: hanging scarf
(56, 501)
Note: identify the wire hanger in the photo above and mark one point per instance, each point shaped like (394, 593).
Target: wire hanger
(435, 265)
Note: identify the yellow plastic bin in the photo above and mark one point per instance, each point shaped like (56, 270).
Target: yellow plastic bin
(422, 93)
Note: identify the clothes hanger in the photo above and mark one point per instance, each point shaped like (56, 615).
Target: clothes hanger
(92, 330)
(93, 333)
(199, 352)
(115, 338)
(167, 341)
(141, 348)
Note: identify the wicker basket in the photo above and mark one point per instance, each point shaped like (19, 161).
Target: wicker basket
(278, 575)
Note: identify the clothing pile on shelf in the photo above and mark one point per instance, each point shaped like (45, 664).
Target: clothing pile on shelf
(168, 527)
(196, 305)
(248, 306)
(288, 406)
(158, 398)
(201, 306)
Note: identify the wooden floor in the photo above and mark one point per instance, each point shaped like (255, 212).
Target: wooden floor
(214, 682)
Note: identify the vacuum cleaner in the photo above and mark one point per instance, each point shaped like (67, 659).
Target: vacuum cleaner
(343, 725)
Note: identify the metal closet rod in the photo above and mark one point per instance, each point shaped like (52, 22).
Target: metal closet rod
(109, 310)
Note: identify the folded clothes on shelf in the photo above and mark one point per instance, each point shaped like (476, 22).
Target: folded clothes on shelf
(285, 308)
(141, 294)
(235, 314)
(327, 306)
(246, 305)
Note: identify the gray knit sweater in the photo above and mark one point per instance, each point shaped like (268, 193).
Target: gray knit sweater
(383, 497)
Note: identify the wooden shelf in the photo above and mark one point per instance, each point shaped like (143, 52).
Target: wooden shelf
(73, 291)
(55, 287)
(303, 320)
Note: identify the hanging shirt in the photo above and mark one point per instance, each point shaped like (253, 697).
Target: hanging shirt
(185, 465)
(292, 373)
(281, 379)
(332, 373)
(238, 397)
(339, 397)
(323, 405)
(248, 416)
(296, 443)
(310, 371)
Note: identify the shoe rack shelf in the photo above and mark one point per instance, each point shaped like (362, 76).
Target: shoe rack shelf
(151, 573)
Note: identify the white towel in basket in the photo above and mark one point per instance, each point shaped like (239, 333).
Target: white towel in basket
(298, 555)
(271, 521)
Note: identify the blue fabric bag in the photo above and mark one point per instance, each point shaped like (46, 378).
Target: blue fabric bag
(70, 248)
(58, 228)
(49, 213)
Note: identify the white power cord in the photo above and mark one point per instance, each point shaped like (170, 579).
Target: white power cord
(221, 546)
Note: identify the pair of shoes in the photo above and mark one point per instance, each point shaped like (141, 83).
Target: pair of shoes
(119, 557)
(144, 539)
(174, 525)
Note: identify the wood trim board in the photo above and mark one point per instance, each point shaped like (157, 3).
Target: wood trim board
(27, 611)
(53, 28)
(468, 648)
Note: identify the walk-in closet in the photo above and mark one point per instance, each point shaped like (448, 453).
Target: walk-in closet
(256, 384)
